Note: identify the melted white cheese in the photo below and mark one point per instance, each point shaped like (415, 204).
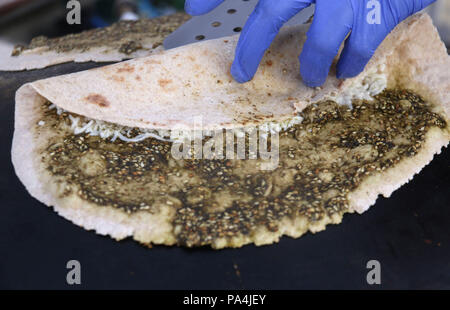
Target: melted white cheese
(373, 83)
(105, 130)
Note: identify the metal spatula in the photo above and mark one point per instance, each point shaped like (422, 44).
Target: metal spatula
(227, 19)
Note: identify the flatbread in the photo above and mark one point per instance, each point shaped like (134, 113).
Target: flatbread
(122, 40)
(337, 161)
(177, 86)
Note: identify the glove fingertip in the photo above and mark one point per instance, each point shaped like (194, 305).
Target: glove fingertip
(239, 74)
(343, 73)
(344, 76)
(312, 82)
(310, 74)
(351, 63)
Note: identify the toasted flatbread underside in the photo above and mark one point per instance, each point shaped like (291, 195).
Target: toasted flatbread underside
(338, 160)
(122, 40)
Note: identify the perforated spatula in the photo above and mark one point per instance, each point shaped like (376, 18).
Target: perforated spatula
(227, 19)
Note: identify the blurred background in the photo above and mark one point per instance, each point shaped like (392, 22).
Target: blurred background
(21, 20)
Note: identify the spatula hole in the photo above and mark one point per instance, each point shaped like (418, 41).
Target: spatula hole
(237, 29)
(216, 24)
(200, 37)
(231, 11)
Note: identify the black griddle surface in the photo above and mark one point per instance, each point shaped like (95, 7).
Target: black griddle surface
(409, 234)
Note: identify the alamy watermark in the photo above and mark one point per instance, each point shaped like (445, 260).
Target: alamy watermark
(74, 14)
(374, 275)
(74, 274)
(261, 142)
(374, 15)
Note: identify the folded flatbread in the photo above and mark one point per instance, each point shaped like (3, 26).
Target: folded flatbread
(96, 145)
(121, 40)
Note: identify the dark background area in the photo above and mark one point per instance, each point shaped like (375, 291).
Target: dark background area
(409, 234)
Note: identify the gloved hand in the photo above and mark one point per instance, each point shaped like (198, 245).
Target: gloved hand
(369, 22)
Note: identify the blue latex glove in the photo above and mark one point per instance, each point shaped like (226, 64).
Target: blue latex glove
(333, 21)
